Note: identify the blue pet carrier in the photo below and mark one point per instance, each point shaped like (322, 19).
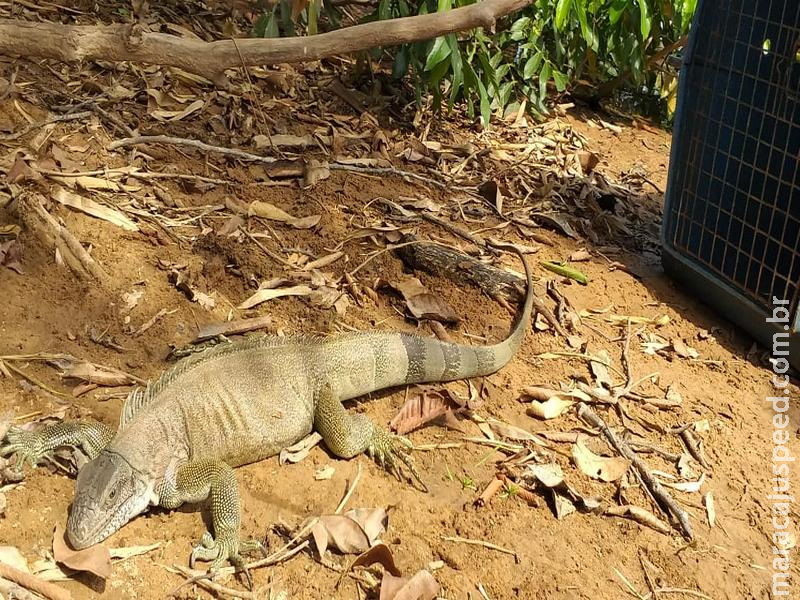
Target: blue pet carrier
(732, 208)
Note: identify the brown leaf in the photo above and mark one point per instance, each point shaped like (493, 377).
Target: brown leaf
(379, 553)
(587, 160)
(351, 533)
(539, 393)
(511, 432)
(10, 253)
(421, 408)
(94, 373)
(421, 586)
(598, 467)
(90, 207)
(95, 559)
(491, 192)
(430, 306)
(269, 294)
(20, 171)
(315, 172)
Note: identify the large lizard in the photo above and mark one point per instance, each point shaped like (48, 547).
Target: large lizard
(179, 437)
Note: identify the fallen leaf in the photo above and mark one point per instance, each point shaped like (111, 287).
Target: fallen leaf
(351, 533)
(10, 253)
(686, 486)
(490, 190)
(270, 294)
(177, 115)
(539, 393)
(551, 409)
(421, 586)
(430, 306)
(90, 207)
(587, 160)
(297, 452)
(323, 261)
(131, 551)
(273, 213)
(580, 256)
(600, 370)
(324, 473)
(20, 171)
(640, 515)
(94, 559)
(12, 557)
(422, 407)
(379, 553)
(598, 467)
(549, 475)
(711, 512)
(682, 349)
(94, 373)
(131, 299)
(515, 433)
(315, 172)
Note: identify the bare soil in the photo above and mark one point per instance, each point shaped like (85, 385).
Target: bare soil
(46, 309)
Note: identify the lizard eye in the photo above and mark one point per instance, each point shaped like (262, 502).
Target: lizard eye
(112, 494)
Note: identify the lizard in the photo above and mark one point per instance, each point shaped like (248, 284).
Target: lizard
(180, 436)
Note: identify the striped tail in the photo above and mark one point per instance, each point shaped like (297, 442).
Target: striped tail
(432, 360)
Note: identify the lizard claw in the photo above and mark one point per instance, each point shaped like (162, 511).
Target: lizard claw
(390, 450)
(27, 445)
(226, 547)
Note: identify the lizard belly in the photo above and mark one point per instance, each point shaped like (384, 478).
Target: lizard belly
(249, 423)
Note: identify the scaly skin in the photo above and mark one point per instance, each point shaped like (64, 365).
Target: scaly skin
(240, 402)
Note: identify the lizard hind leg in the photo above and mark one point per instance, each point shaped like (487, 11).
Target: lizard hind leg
(347, 435)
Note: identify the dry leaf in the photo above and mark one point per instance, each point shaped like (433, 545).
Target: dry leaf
(490, 190)
(95, 559)
(686, 486)
(94, 373)
(430, 306)
(542, 394)
(580, 256)
(324, 473)
(598, 467)
(351, 533)
(421, 408)
(10, 253)
(12, 557)
(323, 261)
(379, 553)
(682, 349)
(549, 475)
(639, 515)
(177, 115)
(515, 433)
(90, 207)
(600, 370)
(273, 213)
(131, 299)
(315, 172)
(711, 512)
(131, 551)
(270, 294)
(551, 409)
(297, 452)
(422, 586)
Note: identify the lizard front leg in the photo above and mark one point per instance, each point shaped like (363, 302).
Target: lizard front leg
(347, 435)
(194, 482)
(32, 446)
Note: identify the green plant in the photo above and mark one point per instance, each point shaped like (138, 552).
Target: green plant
(608, 43)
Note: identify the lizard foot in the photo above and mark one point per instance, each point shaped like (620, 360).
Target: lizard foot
(225, 547)
(28, 446)
(387, 449)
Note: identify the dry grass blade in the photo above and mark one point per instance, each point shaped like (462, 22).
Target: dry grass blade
(483, 544)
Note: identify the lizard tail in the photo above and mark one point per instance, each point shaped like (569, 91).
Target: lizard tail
(431, 360)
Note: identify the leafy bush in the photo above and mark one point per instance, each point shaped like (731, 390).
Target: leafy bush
(549, 44)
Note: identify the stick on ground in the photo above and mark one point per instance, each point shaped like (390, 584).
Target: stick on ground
(33, 583)
(665, 502)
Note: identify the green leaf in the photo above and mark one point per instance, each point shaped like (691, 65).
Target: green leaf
(562, 11)
(457, 66)
(400, 65)
(616, 10)
(544, 77)
(565, 271)
(438, 71)
(267, 26)
(532, 65)
(586, 31)
(439, 52)
(687, 12)
(486, 107)
(561, 80)
(644, 19)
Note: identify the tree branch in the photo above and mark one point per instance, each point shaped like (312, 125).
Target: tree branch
(210, 59)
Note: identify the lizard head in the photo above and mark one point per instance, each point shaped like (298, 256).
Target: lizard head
(109, 492)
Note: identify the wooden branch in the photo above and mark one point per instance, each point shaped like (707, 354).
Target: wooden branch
(33, 583)
(128, 43)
